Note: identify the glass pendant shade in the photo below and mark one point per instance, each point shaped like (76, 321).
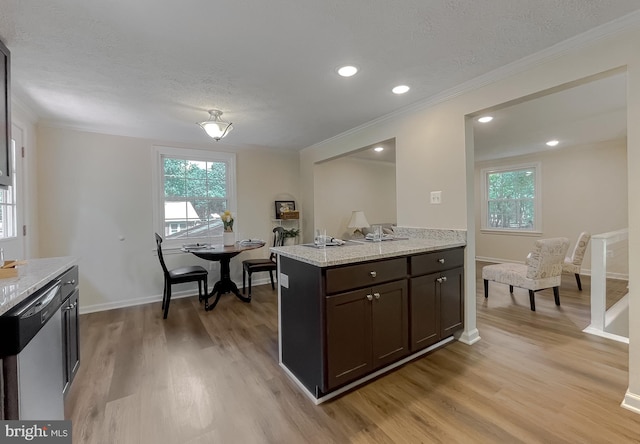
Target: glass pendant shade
(215, 127)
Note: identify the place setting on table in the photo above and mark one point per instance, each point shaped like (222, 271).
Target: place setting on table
(223, 253)
(322, 240)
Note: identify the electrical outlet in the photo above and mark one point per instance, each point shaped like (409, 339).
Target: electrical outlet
(436, 197)
(283, 280)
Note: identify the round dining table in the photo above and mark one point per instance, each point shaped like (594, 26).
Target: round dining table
(223, 254)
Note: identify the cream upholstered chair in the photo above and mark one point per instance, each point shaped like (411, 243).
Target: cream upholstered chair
(573, 263)
(541, 270)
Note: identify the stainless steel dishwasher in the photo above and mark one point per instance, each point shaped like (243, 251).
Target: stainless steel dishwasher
(31, 351)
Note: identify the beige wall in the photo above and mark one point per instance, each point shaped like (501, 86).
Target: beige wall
(434, 152)
(346, 184)
(584, 188)
(94, 189)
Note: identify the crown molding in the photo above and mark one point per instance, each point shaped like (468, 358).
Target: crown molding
(612, 28)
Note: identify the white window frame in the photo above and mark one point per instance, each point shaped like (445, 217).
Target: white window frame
(9, 202)
(159, 153)
(536, 230)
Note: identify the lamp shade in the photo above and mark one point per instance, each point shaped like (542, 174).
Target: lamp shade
(215, 127)
(358, 220)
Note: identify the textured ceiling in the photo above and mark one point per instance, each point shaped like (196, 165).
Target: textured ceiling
(152, 69)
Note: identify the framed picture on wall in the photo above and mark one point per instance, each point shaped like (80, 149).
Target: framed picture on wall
(284, 206)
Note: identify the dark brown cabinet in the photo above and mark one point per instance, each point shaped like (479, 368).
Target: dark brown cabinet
(366, 330)
(339, 324)
(70, 327)
(70, 342)
(425, 329)
(436, 299)
(451, 290)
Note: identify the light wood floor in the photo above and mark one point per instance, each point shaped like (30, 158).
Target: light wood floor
(213, 377)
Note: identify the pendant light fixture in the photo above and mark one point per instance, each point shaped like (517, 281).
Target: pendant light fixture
(215, 127)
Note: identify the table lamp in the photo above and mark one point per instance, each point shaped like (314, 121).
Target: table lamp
(358, 221)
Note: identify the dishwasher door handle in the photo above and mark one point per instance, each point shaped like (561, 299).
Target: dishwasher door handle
(42, 302)
(48, 296)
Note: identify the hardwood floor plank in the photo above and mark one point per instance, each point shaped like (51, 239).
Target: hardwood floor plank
(203, 377)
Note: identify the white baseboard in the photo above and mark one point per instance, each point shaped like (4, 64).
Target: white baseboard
(494, 260)
(584, 271)
(93, 308)
(469, 337)
(603, 334)
(631, 402)
(364, 379)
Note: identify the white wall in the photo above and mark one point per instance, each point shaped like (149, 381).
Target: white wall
(584, 188)
(95, 188)
(434, 152)
(26, 120)
(346, 184)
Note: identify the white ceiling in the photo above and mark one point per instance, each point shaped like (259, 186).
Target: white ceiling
(594, 111)
(388, 154)
(152, 69)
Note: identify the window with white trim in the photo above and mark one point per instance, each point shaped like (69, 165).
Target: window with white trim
(511, 198)
(192, 189)
(8, 204)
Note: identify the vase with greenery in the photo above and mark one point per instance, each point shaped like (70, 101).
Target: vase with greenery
(290, 233)
(228, 236)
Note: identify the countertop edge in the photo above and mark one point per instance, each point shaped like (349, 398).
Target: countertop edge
(331, 254)
(32, 276)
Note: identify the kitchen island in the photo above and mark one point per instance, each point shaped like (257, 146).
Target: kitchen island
(350, 313)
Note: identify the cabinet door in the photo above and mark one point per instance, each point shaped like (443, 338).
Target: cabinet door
(451, 302)
(348, 337)
(390, 327)
(425, 312)
(71, 344)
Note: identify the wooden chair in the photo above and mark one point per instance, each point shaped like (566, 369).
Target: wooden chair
(573, 263)
(541, 270)
(180, 275)
(251, 266)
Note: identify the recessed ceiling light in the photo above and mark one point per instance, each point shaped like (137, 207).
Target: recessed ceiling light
(400, 89)
(347, 71)
(378, 149)
(552, 143)
(485, 119)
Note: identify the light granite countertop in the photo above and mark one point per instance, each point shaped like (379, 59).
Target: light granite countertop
(32, 276)
(362, 251)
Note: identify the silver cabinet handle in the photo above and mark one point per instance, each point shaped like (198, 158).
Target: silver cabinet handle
(442, 279)
(376, 295)
(370, 297)
(441, 260)
(373, 274)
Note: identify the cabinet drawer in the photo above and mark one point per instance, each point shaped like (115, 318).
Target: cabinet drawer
(69, 281)
(437, 261)
(361, 275)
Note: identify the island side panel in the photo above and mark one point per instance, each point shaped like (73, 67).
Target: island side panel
(301, 308)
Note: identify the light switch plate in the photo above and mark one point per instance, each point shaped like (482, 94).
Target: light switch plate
(436, 197)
